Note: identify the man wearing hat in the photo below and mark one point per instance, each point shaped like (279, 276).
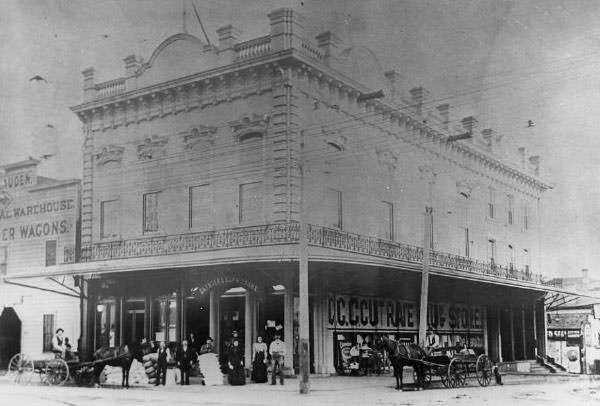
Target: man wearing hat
(277, 351)
(58, 343)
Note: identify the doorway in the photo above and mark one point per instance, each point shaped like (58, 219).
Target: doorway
(231, 318)
(134, 326)
(197, 320)
(10, 335)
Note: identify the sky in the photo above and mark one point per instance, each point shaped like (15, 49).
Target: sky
(505, 62)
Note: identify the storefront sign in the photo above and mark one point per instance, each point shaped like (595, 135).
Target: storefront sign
(15, 180)
(225, 280)
(365, 313)
(563, 334)
(29, 228)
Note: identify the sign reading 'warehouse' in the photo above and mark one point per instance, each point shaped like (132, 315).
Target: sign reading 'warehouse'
(36, 229)
(365, 313)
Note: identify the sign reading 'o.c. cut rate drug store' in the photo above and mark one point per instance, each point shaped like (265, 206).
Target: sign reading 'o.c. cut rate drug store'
(368, 313)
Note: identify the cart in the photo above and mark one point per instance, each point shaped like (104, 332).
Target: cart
(456, 370)
(55, 372)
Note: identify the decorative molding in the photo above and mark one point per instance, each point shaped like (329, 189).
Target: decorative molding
(427, 174)
(152, 148)
(109, 153)
(387, 158)
(248, 124)
(197, 136)
(334, 138)
(464, 188)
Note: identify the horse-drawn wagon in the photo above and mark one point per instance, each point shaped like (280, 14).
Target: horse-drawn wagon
(452, 370)
(56, 371)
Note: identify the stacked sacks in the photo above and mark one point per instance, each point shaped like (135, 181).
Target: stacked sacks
(137, 373)
(150, 361)
(111, 375)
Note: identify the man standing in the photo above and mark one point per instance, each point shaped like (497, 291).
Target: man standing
(58, 344)
(185, 360)
(277, 351)
(161, 364)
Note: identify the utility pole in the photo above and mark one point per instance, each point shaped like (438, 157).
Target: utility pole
(303, 343)
(425, 275)
(428, 176)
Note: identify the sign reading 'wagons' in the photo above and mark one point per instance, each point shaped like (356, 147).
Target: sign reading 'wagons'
(366, 313)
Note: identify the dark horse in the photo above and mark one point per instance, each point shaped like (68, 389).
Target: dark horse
(122, 356)
(406, 354)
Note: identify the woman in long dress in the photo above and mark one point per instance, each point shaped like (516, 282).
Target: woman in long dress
(259, 361)
(235, 362)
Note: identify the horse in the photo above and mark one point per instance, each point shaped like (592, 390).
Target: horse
(406, 354)
(122, 356)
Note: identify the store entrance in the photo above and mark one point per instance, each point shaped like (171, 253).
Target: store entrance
(197, 320)
(231, 318)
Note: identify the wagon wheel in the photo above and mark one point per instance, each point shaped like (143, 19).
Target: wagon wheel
(457, 373)
(57, 372)
(20, 368)
(483, 370)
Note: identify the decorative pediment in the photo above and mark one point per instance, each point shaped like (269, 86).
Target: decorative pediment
(387, 158)
(427, 174)
(334, 138)
(249, 124)
(198, 136)
(109, 153)
(152, 148)
(464, 189)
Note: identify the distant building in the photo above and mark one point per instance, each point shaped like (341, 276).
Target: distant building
(192, 193)
(573, 326)
(39, 226)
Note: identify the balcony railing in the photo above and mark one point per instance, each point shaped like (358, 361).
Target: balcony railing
(242, 237)
(110, 88)
(253, 48)
(288, 233)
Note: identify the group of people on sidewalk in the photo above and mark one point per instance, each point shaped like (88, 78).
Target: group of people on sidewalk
(260, 358)
(186, 358)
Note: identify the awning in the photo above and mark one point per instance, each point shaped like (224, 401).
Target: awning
(60, 285)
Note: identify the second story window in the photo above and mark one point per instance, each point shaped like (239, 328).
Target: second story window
(150, 215)
(492, 250)
(466, 242)
(526, 259)
(200, 207)
(491, 198)
(510, 212)
(333, 209)
(251, 202)
(50, 252)
(3, 260)
(525, 217)
(386, 221)
(109, 222)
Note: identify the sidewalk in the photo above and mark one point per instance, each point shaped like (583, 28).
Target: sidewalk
(325, 390)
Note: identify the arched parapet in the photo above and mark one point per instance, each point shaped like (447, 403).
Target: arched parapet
(178, 56)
